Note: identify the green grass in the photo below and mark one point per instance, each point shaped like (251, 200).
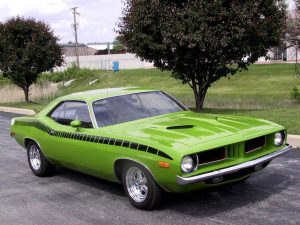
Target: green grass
(288, 117)
(262, 86)
(263, 91)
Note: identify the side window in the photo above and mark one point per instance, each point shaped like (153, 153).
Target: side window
(68, 111)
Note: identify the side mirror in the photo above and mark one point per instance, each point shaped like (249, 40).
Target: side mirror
(75, 124)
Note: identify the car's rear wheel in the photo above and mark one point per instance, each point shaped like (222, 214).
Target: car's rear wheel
(38, 163)
(140, 187)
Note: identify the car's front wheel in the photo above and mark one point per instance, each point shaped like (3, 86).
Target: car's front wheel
(140, 187)
(38, 163)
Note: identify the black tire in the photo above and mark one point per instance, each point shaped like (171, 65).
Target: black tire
(153, 198)
(44, 167)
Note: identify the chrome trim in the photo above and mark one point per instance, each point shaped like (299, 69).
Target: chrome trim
(197, 163)
(176, 100)
(93, 112)
(34, 157)
(204, 164)
(283, 135)
(92, 115)
(32, 140)
(136, 184)
(189, 180)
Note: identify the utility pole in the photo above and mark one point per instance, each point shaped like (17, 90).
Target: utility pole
(75, 26)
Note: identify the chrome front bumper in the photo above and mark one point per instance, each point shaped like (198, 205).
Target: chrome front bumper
(189, 180)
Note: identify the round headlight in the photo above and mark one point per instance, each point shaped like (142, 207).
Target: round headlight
(187, 164)
(278, 139)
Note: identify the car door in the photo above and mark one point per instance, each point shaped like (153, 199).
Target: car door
(72, 147)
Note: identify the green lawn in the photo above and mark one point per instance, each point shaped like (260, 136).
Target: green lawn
(262, 91)
(288, 117)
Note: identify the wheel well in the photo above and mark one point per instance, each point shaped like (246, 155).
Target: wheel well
(120, 163)
(27, 140)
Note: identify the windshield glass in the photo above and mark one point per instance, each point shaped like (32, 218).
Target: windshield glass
(131, 107)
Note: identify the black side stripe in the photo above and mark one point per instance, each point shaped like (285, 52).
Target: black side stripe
(152, 150)
(93, 139)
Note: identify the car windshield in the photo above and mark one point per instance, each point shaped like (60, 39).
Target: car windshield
(124, 108)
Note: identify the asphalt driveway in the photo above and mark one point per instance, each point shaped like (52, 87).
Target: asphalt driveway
(271, 196)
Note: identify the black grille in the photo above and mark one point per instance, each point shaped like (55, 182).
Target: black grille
(212, 155)
(255, 144)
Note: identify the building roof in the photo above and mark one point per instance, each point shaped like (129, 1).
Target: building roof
(100, 46)
(73, 45)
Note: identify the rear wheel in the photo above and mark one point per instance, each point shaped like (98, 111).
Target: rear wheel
(140, 187)
(38, 163)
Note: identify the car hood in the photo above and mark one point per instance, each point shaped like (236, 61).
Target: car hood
(189, 128)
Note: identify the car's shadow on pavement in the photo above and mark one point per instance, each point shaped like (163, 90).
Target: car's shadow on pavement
(228, 197)
(202, 203)
(90, 182)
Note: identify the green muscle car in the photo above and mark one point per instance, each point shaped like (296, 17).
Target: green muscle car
(148, 141)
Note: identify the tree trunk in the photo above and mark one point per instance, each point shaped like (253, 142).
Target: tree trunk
(26, 94)
(199, 93)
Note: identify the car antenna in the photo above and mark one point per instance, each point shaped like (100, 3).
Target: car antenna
(109, 129)
(106, 85)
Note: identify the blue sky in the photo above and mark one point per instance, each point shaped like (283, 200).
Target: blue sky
(97, 18)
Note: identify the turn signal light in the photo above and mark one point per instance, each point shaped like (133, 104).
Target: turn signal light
(164, 164)
(12, 134)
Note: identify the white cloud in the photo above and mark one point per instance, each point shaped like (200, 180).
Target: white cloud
(97, 18)
(102, 31)
(21, 7)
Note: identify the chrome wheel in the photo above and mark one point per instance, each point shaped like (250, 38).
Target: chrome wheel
(136, 184)
(34, 157)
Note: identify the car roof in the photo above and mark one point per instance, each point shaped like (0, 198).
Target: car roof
(93, 95)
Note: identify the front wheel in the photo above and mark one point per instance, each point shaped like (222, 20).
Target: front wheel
(38, 163)
(140, 187)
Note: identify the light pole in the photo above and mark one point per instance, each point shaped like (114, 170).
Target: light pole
(75, 25)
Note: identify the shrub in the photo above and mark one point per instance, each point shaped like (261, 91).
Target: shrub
(295, 94)
(72, 72)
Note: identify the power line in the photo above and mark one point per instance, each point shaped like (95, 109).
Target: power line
(75, 26)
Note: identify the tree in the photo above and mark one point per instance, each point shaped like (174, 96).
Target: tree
(293, 26)
(292, 37)
(201, 41)
(27, 48)
(118, 45)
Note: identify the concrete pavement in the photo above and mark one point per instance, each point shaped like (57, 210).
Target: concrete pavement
(17, 110)
(294, 140)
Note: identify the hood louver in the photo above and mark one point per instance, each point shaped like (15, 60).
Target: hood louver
(180, 127)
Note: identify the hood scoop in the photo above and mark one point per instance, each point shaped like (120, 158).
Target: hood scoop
(180, 127)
